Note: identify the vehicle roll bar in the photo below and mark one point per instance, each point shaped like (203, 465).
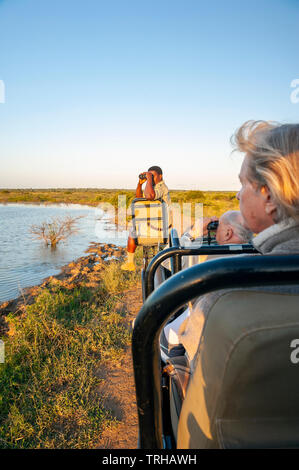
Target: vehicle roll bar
(175, 260)
(174, 239)
(175, 252)
(229, 272)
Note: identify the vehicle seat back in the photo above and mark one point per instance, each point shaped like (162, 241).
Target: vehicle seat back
(150, 222)
(244, 390)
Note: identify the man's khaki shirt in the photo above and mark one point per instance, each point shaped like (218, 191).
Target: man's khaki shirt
(162, 192)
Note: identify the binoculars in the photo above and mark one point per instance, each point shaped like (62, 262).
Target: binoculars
(212, 226)
(212, 229)
(142, 176)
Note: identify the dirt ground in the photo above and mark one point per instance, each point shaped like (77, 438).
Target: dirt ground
(119, 389)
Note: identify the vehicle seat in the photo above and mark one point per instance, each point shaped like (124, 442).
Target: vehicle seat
(244, 391)
(150, 222)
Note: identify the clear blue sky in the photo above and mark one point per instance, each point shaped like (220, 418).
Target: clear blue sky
(96, 91)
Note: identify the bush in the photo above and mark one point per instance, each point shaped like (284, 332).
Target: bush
(194, 195)
(55, 231)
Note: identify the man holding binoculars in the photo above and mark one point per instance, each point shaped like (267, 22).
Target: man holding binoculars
(155, 188)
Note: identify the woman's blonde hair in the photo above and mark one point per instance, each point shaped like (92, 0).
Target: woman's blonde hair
(273, 156)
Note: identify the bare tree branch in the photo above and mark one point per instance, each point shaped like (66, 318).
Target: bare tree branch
(56, 230)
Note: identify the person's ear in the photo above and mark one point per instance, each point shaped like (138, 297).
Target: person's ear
(270, 206)
(228, 233)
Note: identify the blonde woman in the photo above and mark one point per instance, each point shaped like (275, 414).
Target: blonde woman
(269, 203)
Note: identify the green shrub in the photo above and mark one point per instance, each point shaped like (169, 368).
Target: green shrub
(191, 195)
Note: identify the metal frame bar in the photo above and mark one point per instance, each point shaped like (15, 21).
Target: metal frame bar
(228, 272)
(175, 260)
(176, 253)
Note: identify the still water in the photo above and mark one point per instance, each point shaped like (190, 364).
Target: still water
(26, 261)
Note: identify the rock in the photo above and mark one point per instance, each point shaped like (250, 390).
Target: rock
(85, 269)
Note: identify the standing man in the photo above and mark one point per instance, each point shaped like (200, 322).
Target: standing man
(155, 188)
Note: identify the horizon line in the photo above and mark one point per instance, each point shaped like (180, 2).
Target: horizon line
(108, 189)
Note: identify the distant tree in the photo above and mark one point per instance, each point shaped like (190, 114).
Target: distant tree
(56, 230)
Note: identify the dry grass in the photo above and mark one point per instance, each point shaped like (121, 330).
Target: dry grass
(49, 387)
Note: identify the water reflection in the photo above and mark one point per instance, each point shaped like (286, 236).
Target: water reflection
(25, 261)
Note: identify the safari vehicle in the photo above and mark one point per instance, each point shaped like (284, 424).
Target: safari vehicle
(244, 390)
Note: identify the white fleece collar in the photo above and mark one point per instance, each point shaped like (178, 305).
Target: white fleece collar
(272, 231)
